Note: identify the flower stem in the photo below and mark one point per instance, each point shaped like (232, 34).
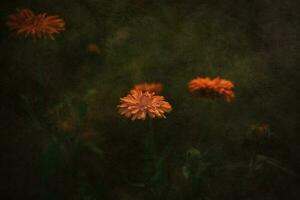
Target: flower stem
(150, 142)
(149, 152)
(152, 139)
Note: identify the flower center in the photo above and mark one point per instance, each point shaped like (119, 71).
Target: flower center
(145, 102)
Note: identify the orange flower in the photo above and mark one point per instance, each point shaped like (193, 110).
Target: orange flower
(212, 87)
(150, 87)
(93, 48)
(139, 104)
(260, 129)
(25, 22)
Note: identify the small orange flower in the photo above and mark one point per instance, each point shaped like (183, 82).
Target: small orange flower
(260, 129)
(25, 22)
(93, 48)
(150, 87)
(212, 87)
(139, 104)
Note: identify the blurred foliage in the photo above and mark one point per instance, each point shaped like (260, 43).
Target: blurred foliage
(62, 137)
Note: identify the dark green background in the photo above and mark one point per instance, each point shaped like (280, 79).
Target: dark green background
(254, 43)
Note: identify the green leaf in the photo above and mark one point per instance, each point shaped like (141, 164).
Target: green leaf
(193, 153)
(95, 149)
(82, 110)
(51, 159)
(186, 172)
(262, 160)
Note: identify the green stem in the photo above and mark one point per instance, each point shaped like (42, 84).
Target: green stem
(152, 138)
(150, 152)
(150, 142)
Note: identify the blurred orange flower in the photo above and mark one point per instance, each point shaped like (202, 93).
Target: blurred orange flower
(150, 87)
(26, 23)
(260, 129)
(93, 48)
(139, 104)
(212, 87)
